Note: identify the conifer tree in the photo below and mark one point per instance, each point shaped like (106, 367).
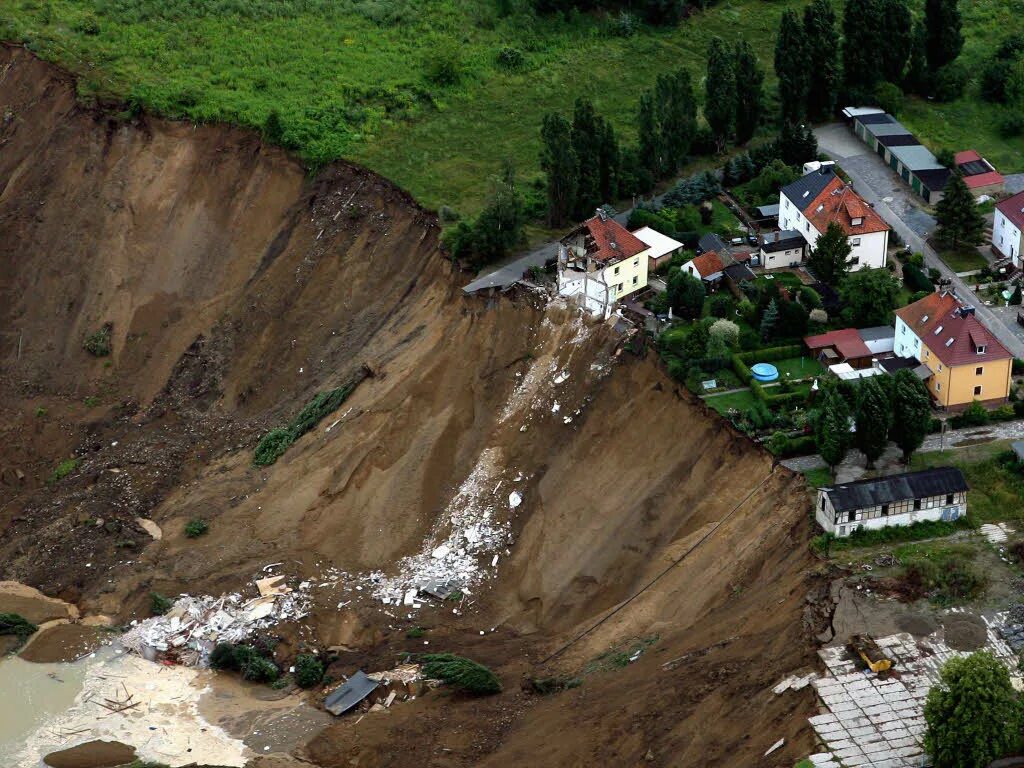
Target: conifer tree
(610, 161)
(652, 152)
(820, 27)
(960, 222)
(720, 92)
(828, 259)
(792, 53)
(586, 141)
(916, 79)
(832, 427)
(676, 115)
(749, 93)
(944, 38)
(559, 162)
(770, 320)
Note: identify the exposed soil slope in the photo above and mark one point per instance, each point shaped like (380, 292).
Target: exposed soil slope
(236, 288)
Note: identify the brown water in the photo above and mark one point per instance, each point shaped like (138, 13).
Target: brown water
(32, 694)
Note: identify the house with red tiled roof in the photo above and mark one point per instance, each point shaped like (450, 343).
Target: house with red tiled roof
(707, 267)
(820, 198)
(966, 360)
(1007, 226)
(601, 262)
(979, 174)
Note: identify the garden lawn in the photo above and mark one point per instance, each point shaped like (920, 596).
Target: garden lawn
(816, 478)
(741, 401)
(798, 367)
(996, 485)
(963, 261)
(723, 222)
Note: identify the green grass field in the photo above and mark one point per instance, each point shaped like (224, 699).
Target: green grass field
(413, 88)
(996, 490)
(741, 401)
(963, 261)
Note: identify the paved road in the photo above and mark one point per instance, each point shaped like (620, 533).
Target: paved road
(897, 204)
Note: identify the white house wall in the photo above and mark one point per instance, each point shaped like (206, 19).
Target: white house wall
(906, 343)
(1006, 237)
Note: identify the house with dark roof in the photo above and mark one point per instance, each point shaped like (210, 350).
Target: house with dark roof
(820, 198)
(1007, 226)
(709, 241)
(966, 360)
(901, 151)
(785, 248)
(601, 262)
(939, 493)
(979, 174)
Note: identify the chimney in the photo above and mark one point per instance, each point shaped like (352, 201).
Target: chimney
(602, 215)
(965, 311)
(778, 235)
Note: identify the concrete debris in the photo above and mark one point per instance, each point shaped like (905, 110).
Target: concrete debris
(996, 533)
(272, 586)
(514, 499)
(194, 625)
(350, 693)
(562, 376)
(875, 721)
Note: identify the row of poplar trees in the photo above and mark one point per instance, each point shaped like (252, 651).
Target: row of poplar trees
(881, 43)
(585, 165)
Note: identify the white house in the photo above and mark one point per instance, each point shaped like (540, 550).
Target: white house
(708, 267)
(911, 497)
(1007, 227)
(662, 247)
(820, 198)
(601, 262)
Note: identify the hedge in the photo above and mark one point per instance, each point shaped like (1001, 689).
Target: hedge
(915, 279)
(799, 446)
(771, 354)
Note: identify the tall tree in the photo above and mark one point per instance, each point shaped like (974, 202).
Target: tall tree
(832, 427)
(917, 78)
(586, 141)
(685, 294)
(828, 259)
(797, 144)
(820, 59)
(652, 149)
(749, 92)
(770, 320)
(869, 297)
(560, 164)
(793, 47)
(959, 221)
(676, 115)
(973, 715)
(897, 29)
(861, 35)
(944, 38)
(873, 420)
(720, 92)
(911, 412)
(610, 161)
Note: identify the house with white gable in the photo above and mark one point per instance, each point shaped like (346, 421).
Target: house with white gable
(1007, 227)
(820, 198)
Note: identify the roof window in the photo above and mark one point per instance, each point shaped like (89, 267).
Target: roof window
(981, 349)
(949, 341)
(938, 330)
(923, 320)
(820, 208)
(806, 193)
(857, 221)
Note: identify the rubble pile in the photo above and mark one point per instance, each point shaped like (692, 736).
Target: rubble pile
(192, 628)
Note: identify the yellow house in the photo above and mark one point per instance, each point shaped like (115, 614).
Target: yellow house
(600, 263)
(966, 360)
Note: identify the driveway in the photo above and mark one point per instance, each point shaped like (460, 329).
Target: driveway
(903, 211)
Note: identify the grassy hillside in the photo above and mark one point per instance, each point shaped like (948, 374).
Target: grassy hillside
(412, 88)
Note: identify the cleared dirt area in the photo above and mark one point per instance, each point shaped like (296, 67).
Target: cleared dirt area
(235, 288)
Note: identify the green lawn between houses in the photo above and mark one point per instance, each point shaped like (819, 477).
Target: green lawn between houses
(349, 77)
(964, 260)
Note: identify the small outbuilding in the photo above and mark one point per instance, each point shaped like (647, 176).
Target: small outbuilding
(939, 493)
(661, 247)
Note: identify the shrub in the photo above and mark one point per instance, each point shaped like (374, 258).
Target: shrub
(800, 446)
(462, 673)
(309, 670)
(778, 443)
(915, 279)
(246, 660)
(1003, 413)
(196, 527)
(443, 67)
(720, 305)
(64, 469)
(272, 446)
(98, 344)
(944, 577)
(950, 81)
(974, 415)
(159, 604)
(1018, 366)
(625, 24)
(889, 97)
(13, 624)
(510, 58)
(1011, 124)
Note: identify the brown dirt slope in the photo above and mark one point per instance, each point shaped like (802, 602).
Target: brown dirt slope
(236, 288)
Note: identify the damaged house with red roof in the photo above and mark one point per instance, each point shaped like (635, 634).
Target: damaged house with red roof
(819, 198)
(600, 263)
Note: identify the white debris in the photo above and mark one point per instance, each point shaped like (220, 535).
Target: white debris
(441, 552)
(555, 408)
(561, 377)
(777, 745)
(514, 499)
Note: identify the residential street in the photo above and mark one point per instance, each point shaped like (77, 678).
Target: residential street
(898, 205)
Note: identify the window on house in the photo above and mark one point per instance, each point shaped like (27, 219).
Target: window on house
(855, 241)
(885, 510)
(616, 270)
(981, 349)
(917, 504)
(857, 221)
(938, 330)
(938, 386)
(978, 370)
(850, 516)
(635, 280)
(636, 262)
(820, 208)
(949, 499)
(977, 390)
(618, 288)
(854, 261)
